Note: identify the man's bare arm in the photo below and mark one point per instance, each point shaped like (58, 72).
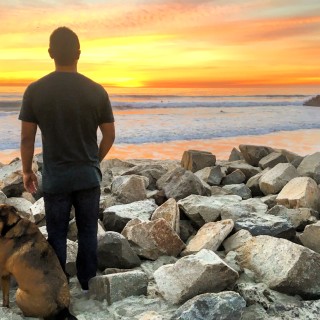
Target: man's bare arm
(28, 134)
(108, 136)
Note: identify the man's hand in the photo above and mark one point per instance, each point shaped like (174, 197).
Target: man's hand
(30, 182)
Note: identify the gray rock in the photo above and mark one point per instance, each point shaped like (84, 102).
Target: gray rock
(236, 240)
(248, 170)
(219, 191)
(235, 155)
(181, 183)
(116, 217)
(153, 239)
(235, 177)
(276, 178)
(253, 154)
(38, 210)
(9, 314)
(195, 160)
(299, 218)
(115, 287)
(310, 167)
(256, 312)
(310, 237)
(116, 166)
(282, 265)
(270, 200)
(202, 209)
(253, 183)
(3, 197)
(211, 175)
(226, 305)
(240, 190)
(301, 192)
(129, 189)
(272, 159)
(72, 251)
(114, 251)
(152, 171)
(72, 230)
(23, 207)
(196, 269)
(210, 236)
(258, 224)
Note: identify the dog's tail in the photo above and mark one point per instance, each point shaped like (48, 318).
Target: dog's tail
(63, 314)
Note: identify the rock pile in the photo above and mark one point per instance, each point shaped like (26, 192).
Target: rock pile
(313, 102)
(205, 239)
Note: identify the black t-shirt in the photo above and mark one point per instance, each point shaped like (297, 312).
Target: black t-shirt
(68, 108)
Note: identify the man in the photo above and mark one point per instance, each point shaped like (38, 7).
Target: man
(68, 108)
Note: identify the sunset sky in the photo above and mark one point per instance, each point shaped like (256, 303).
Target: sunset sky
(168, 43)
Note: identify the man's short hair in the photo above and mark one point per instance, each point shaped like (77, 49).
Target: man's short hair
(64, 46)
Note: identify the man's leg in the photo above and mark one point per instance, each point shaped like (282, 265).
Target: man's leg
(86, 204)
(58, 207)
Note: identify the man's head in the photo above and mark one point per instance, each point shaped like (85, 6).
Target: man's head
(64, 46)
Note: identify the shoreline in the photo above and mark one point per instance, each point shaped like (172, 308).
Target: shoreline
(302, 142)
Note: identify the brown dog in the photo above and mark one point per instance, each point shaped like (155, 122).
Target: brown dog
(25, 253)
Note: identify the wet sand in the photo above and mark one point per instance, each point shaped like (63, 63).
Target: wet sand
(302, 142)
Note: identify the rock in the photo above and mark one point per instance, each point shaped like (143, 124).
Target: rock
(72, 251)
(313, 102)
(195, 160)
(301, 192)
(253, 154)
(38, 210)
(310, 237)
(181, 183)
(258, 224)
(235, 177)
(226, 305)
(151, 315)
(23, 207)
(276, 178)
(256, 312)
(11, 183)
(253, 183)
(186, 230)
(299, 218)
(170, 212)
(270, 200)
(72, 230)
(202, 209)
(272, 159)
(3, 197)
(149, 267)
(235, 155)
(114, 251)
(219, 191)
(210, 236)
(153, 239)
(240, 190)
(236, 240)
(152, 172)
(115, 287)
(282, 265)
(189, 276)
(116, 166)
(310, 167)
(116, 217)
(44, 231)
(259, 293)
(216, 176)
(129, 189)
(9, 314)
(248, 170)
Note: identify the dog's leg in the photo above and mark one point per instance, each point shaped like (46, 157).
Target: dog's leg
(5, 284)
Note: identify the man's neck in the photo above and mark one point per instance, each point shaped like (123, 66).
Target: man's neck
(72, 68)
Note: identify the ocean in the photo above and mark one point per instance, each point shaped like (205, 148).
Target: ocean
(167, 115)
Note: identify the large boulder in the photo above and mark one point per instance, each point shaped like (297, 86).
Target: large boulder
(116, 217)
(153, 239)
(227, 305)
(282, 265)
(210, 236)
(211, 175)
(253, 183)
(240, 190)
(276, 178)
(235, 155)
(236, 240)
(253, 154)
(202, 209)
(180, 183)
(272, 159)
(195, 160)
(192, 275)
(235, 177)
(310, 167)
(300, 192)
(114, 251)
(247, 169)
(38, 210)
(22, 206)
(129, 189)
(310, 237)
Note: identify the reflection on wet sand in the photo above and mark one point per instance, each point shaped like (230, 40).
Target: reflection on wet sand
(302, 142)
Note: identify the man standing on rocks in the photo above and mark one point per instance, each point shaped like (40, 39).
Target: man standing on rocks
(68, 108)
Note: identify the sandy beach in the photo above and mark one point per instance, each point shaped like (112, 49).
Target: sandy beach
(302, 142)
